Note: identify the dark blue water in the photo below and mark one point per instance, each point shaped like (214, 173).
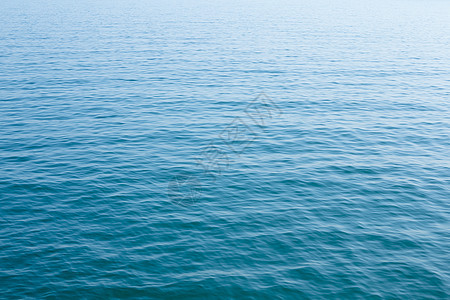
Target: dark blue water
(200, 150)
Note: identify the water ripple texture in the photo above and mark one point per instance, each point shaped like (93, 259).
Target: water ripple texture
(133, 167)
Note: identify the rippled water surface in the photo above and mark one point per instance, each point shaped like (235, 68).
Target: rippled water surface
(133, 165)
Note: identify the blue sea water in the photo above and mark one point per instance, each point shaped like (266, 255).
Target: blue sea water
(133, 164)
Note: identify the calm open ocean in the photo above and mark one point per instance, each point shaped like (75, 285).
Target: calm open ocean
(225, 149)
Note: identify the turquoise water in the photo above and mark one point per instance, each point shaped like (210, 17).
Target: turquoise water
(337, 187)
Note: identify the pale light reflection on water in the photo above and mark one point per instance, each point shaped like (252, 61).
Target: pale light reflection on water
(344, 195)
